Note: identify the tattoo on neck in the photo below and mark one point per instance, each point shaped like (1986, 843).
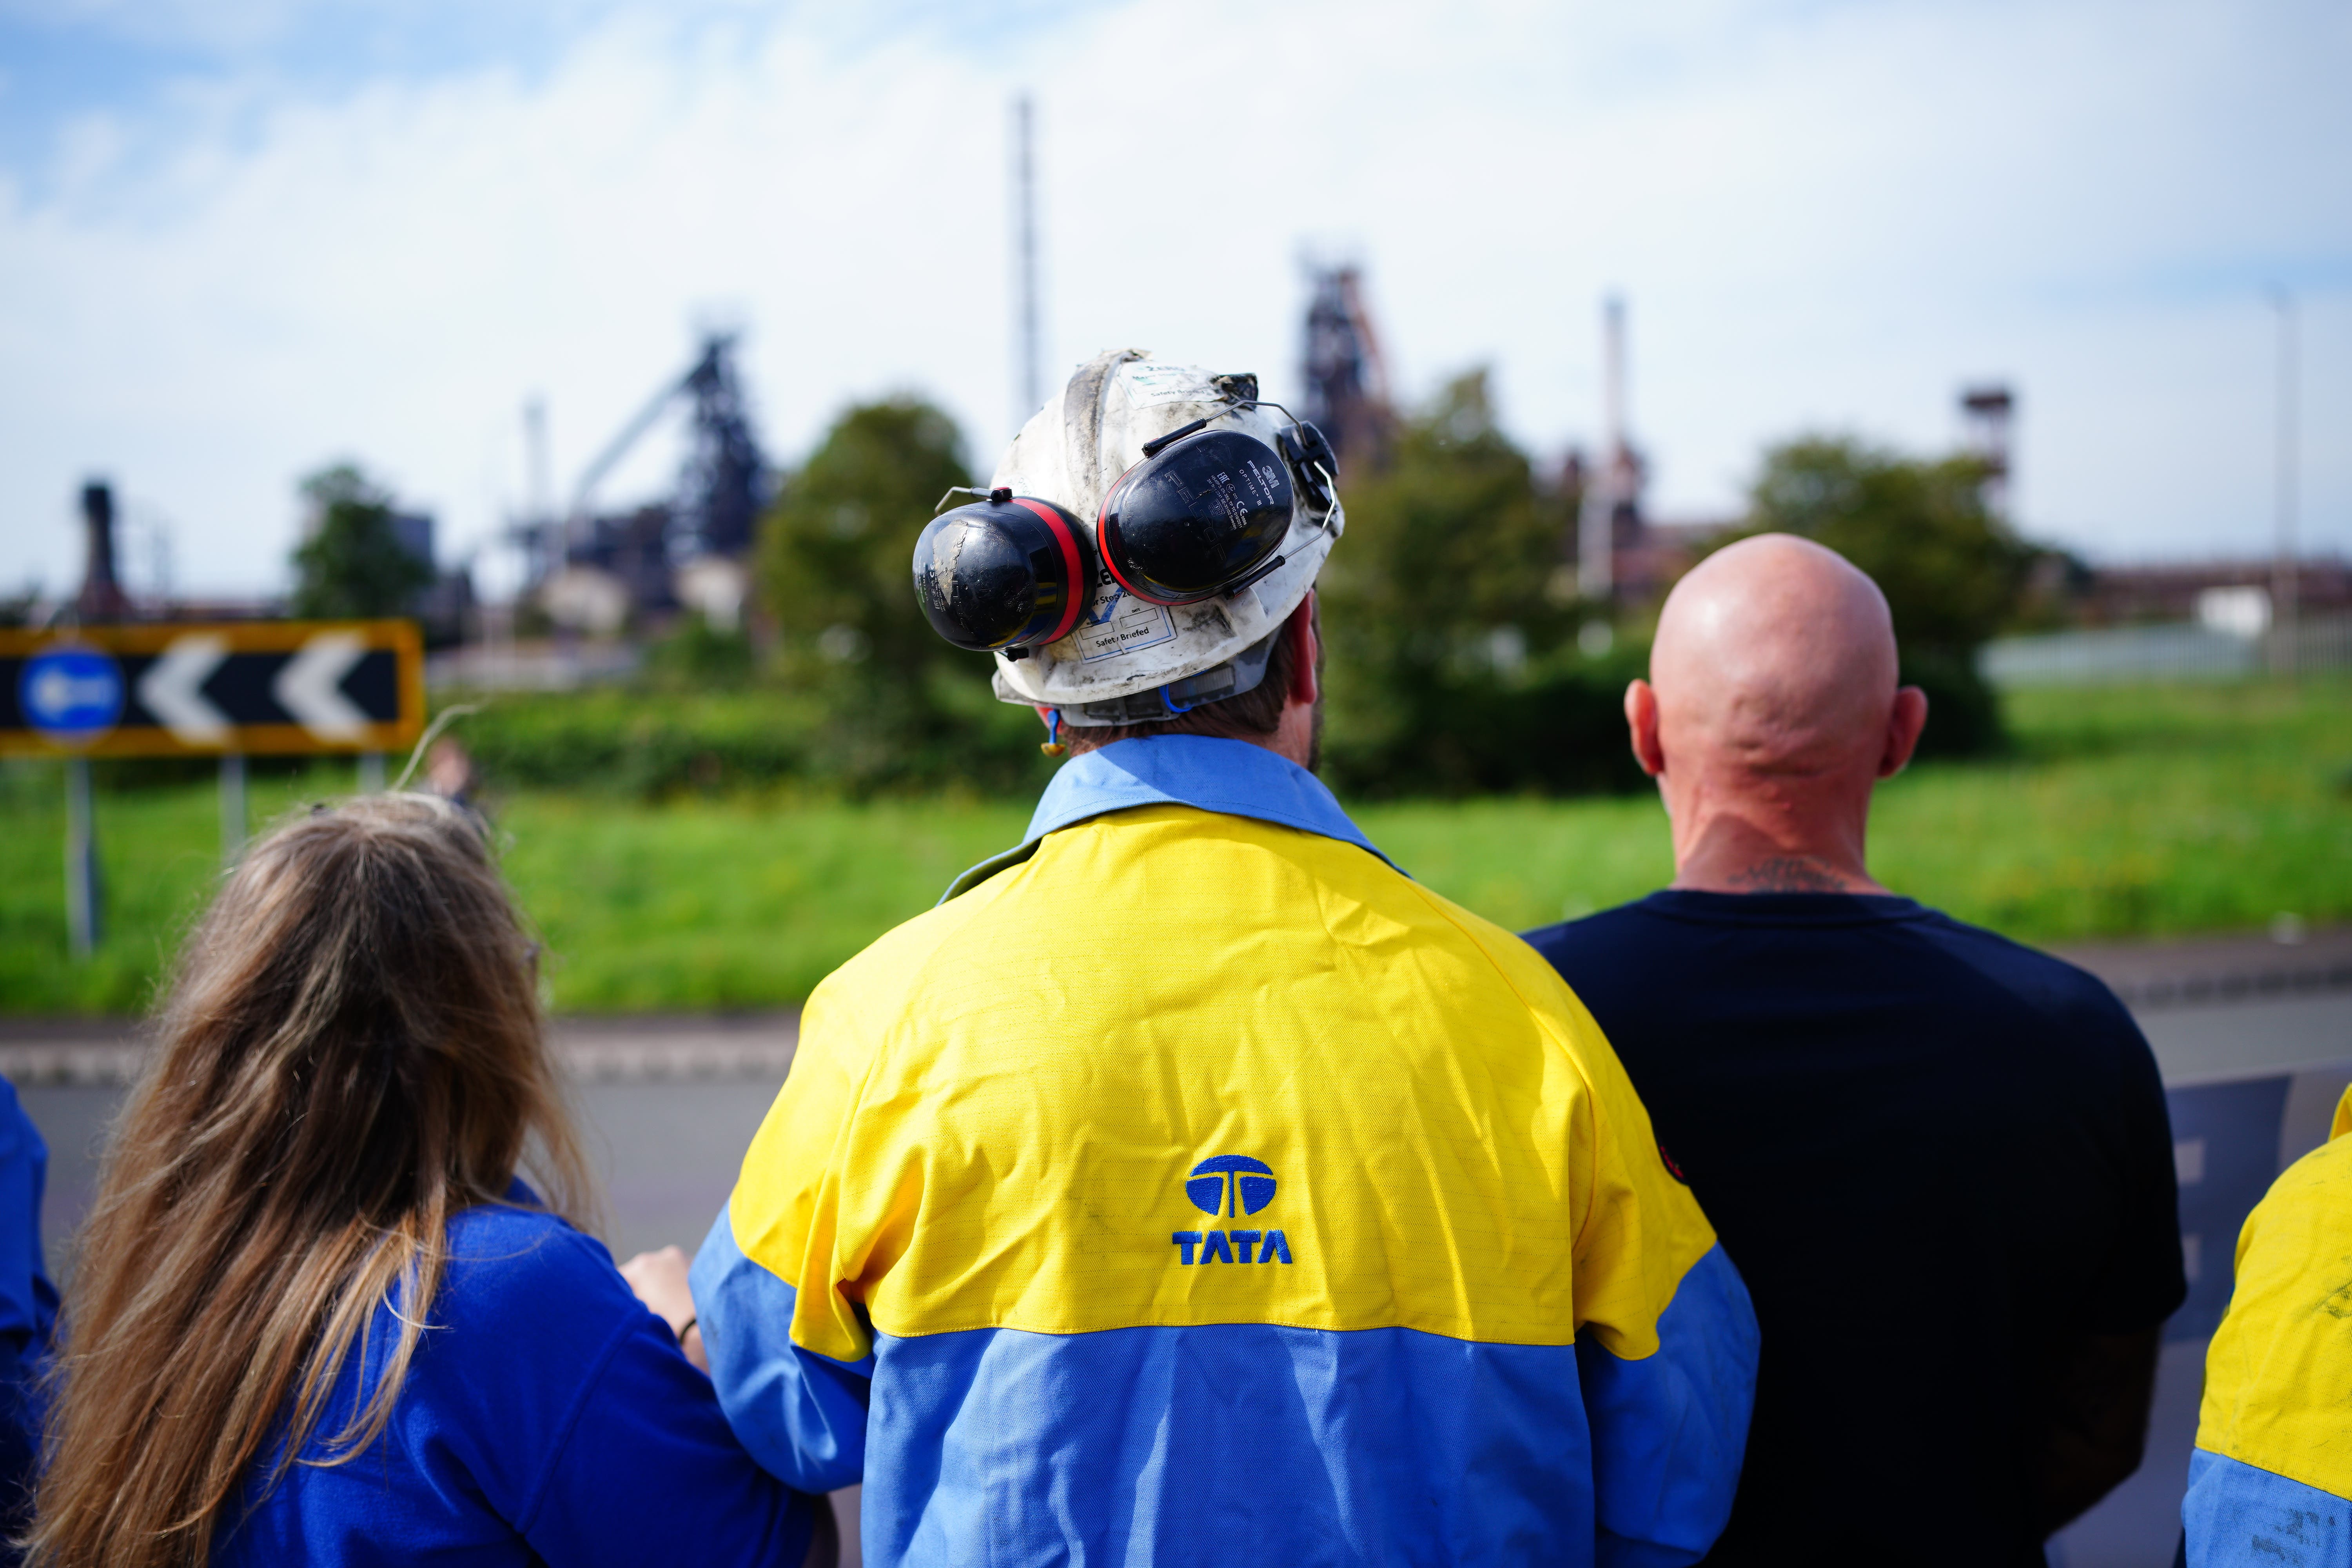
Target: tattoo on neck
(1789, 874)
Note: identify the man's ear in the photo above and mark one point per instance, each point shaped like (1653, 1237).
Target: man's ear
(1903, 726)
(1306, 652)
(1045, 714)
(1642, 727)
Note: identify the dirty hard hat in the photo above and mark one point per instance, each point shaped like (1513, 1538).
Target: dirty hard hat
(1202, 516)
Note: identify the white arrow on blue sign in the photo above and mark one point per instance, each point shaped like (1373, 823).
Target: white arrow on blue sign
(72, 695)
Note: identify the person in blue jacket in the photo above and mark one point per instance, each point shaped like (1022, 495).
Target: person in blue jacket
(319, 1317)
(28, 1310)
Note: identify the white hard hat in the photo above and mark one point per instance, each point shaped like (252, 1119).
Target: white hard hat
(1071, 453)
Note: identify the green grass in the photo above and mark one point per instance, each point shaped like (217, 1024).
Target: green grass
(2123, 812)
(729, 904)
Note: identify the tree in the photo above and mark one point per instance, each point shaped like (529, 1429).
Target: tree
(836, 571)
(836, 548)
(1451, 540)
(1452, 659)
(1952, 573)
(353, 563)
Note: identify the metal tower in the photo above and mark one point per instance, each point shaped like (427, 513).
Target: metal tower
(725, 481)
(1347, 383)
(1988, 412)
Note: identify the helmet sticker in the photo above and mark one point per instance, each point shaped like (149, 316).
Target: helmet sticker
(1149, 383)
(1120, 623)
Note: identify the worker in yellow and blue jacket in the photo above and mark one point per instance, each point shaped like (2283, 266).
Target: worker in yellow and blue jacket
(1192, 1185)
(2270, 1482)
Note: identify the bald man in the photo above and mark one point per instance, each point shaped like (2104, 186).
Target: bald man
(1940, 1160)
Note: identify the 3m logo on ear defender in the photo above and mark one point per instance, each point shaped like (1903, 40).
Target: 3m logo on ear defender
(1229, 1186)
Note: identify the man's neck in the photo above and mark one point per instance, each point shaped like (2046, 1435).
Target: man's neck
(1295, 741)
(1745, 846)
(1775, 874)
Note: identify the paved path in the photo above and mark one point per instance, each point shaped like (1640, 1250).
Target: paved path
(652, 1047)
(2207, 970)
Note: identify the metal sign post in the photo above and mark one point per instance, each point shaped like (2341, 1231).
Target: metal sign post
(232, 813)
(83, 911)
(72, 694)
(282, 687)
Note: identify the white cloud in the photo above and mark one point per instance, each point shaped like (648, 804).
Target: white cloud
(1823, 216)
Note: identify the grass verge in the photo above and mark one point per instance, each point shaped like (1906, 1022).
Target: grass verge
(2123, 812)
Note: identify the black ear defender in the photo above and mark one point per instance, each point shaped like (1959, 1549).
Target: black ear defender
(1202, 513)
(1004, 574)
(1205, 510)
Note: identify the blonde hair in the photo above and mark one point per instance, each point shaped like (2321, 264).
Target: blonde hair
(351, 1052)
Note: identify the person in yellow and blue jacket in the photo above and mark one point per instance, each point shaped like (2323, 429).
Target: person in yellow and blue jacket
(1192, 1185)
(2271, 1480)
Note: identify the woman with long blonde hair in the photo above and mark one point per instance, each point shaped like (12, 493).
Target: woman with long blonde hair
(318, 1316)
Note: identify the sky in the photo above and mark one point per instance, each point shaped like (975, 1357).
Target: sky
(240, 239)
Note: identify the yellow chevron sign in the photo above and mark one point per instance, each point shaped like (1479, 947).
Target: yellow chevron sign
(169, 691)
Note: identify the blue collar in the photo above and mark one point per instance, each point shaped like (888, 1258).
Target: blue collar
(1200, 771)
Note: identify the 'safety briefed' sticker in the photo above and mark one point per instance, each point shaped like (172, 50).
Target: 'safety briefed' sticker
(1122, 624)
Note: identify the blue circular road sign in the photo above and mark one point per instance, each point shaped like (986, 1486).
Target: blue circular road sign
(71, 695)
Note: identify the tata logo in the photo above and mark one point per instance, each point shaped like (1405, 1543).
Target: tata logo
(1231, 1183)
(1227, 1187)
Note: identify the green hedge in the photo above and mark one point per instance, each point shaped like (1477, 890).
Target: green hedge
(1558, 732)
(637, 743)
(655, 743)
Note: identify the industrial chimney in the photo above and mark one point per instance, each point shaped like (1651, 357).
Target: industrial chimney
(101, 597)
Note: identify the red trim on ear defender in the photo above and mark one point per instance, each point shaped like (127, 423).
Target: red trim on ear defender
(1075, 600)
(1103, 536)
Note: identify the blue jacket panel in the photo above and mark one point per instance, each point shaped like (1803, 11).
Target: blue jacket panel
(547, 1418)
(28, 1309)
(2240, 1516)
(1321, 1446)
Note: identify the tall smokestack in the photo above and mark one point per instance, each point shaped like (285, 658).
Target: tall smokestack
(1612, 374)
(101, 597)
(534, 446)
(1026, 394)
(1610, 482)
(2283, 608)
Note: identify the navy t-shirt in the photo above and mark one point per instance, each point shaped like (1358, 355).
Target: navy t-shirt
(1935, 1156)
(547, 1417)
